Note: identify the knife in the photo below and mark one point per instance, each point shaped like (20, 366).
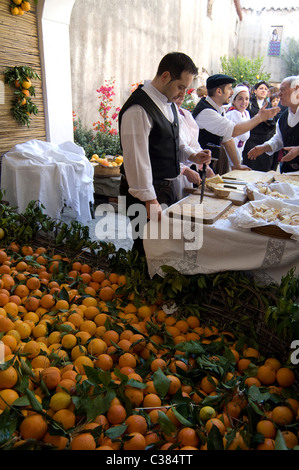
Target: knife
(203, 182)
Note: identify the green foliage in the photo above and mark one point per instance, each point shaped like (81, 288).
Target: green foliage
(243, 69)
(291, 57)
(22, 106)
(96, 142)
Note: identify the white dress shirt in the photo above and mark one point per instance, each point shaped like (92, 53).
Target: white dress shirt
(237, 117)
(135, 129)
(215, 123)
(276, 142)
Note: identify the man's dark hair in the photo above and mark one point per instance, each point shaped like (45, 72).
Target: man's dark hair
(176, 63)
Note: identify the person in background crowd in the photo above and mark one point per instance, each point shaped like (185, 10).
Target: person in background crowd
(189, 145)
(275, 101)
(214, 127)
(202, 92)
(238, 113)
(264, 131)
(149, 134)
(286, 137)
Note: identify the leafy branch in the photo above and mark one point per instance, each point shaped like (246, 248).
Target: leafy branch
(22, 106)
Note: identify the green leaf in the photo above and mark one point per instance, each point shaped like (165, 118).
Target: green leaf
(116, 431)
(181, 418)
(215, 440)
(8, 425)
(280, 442)
(166, 424)
(161, 383)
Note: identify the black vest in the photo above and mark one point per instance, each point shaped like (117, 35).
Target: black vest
(290, 136)
(163, 138)
(205, 138)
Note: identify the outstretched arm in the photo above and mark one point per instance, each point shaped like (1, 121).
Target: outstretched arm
(263, 115)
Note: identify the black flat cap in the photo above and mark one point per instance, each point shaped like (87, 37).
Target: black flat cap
(219, 79)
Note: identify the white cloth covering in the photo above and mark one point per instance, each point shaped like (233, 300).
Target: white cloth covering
(55, 175)
(223, 248)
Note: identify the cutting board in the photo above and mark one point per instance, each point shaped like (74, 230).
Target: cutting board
(212, 209)
(237, 197)
(250, 176)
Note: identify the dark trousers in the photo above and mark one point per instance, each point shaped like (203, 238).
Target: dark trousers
(165, 195)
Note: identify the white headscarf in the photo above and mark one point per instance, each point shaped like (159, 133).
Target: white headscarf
(238, 90)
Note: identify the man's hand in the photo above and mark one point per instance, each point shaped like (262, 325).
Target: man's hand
(209, 172)
(257, 151)
(153, 209)
(269, 113)
(293, 152)
(241, 167)
(192, 176)
(204, 156)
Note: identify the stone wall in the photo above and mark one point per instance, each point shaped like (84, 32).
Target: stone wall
(254, 35)
(126, 39)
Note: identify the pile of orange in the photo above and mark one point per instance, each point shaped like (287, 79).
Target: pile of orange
(19, 7)
(88, 368)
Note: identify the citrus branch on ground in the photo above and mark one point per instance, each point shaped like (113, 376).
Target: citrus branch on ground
(91, 364)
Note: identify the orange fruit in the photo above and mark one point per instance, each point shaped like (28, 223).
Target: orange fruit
(249, 381)
(215, 422)
(116, 414)
(8, 377)
(158, 363)
(111, 335)
(33, 426)
(266, 375)
(188, 437)
(104, 362)
(282, 415)
(7, 397)
(127, 360)
(65, 417)
(268, 444)
(106, 293)
(32, 349)
(174, 385)
(135, 395)
(136, 423)
(290, 439)
(84, 441)
(151, 400)
(243, 364)
(6, 324)
(266, 428)
(273, 362)
(136, 442)
(285, 377)
(58, 442)
(51, 377)
(208, 384)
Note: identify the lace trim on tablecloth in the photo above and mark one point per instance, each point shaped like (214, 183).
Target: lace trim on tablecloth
(274, 252)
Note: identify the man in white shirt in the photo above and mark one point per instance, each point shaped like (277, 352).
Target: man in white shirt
(214, 127)
(287, 131)
(150, 139)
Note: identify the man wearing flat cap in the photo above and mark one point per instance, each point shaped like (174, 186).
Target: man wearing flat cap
(215, 130)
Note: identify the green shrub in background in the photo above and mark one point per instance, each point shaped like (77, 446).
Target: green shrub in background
(95, 142)
(243, 69)
(290, 57)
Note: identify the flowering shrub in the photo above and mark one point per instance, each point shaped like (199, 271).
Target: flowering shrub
(134, 86)
(106, 94)
(189, 102)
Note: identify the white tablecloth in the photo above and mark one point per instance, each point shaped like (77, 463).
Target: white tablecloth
(223, 248)
(54, 175)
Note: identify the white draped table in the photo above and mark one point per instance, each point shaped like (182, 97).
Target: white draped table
(54, 175)
(220, 248)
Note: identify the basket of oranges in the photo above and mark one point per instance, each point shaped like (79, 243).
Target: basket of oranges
(106, 166)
